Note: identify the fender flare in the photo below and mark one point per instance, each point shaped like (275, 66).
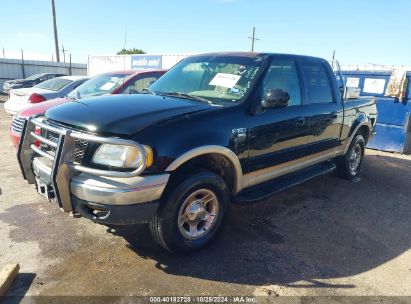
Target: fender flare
(212, 149)
(360, 123)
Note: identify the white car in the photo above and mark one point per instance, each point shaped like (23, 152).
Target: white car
(20, 99)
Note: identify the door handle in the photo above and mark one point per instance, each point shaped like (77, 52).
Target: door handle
(300, 122)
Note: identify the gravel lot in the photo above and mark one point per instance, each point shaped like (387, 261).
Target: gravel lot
(326, 237)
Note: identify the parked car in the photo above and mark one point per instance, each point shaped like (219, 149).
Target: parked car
(20, 99)
(217, 128)
(125, 82)
(29, 81)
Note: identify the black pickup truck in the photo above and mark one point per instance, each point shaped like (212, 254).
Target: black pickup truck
(217, 128)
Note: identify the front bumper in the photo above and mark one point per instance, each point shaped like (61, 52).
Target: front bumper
(102, 199)
(115, 214)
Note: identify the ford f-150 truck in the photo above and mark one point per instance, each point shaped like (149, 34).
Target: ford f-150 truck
(217, 128)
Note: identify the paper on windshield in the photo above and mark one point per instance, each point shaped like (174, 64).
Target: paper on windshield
(108, 86)
(225, 80)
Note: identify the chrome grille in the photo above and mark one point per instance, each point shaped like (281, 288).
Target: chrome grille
(17, 124)
(51, 136)
(54, 137)
(80, 147)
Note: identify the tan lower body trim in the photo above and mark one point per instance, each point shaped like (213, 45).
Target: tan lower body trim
(263, 175)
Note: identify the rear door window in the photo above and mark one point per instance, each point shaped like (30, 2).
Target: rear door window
(317, 82)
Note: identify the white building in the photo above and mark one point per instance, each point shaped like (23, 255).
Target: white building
(102, 64)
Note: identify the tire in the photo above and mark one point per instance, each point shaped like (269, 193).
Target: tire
(349, 165)
(184, 221)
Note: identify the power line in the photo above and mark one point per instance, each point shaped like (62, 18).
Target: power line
(253, 39)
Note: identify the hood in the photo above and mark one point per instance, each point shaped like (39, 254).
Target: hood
(122, 114)
(42, 107)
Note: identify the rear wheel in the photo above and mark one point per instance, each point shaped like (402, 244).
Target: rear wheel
(191, 214)
(349, 165)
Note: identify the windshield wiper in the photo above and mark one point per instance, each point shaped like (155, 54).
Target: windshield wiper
(187, 96)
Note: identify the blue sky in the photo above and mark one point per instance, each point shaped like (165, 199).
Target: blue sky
(361, 31)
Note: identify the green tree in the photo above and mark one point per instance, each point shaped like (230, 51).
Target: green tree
(130, 51)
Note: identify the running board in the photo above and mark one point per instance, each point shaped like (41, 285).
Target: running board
(267, 189)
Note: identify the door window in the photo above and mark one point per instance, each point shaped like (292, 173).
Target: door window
(137, 86)
(283, 75)
(317, 82)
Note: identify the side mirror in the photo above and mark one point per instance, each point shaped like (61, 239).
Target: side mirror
(276, 98)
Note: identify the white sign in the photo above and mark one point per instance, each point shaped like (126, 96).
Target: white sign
(225, 80)
(352, 82)
(108, 86)
(374, 85)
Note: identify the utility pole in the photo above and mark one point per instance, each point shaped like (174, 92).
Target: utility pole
(56, 41)
(70, 66)
(253, 39)
(64, 53)
(22, 64)
(4, 54)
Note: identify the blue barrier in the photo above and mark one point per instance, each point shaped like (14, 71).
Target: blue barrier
(394, 117)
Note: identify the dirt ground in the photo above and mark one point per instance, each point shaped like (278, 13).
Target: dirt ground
(325, 237)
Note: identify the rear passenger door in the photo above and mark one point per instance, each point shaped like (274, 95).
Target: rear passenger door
(324, 109)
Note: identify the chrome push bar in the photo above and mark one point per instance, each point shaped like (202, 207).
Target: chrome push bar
(63, 168)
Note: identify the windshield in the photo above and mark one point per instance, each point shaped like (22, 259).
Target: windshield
(34, 77)
(221, 80)
(55, 84)
(98, 85)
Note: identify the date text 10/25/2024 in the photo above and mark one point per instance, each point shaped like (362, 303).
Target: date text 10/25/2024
(203, 299)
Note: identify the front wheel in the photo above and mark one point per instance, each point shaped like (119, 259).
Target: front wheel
(349, 165)
(191, 214)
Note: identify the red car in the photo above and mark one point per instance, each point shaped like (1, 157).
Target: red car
(123, 82)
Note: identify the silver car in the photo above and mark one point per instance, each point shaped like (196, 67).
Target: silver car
(20, 99)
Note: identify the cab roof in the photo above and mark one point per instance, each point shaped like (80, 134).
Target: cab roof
(258, 54)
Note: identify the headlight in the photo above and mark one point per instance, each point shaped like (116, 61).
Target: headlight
(122, 156)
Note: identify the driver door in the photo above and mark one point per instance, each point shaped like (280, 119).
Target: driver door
(278, 135)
